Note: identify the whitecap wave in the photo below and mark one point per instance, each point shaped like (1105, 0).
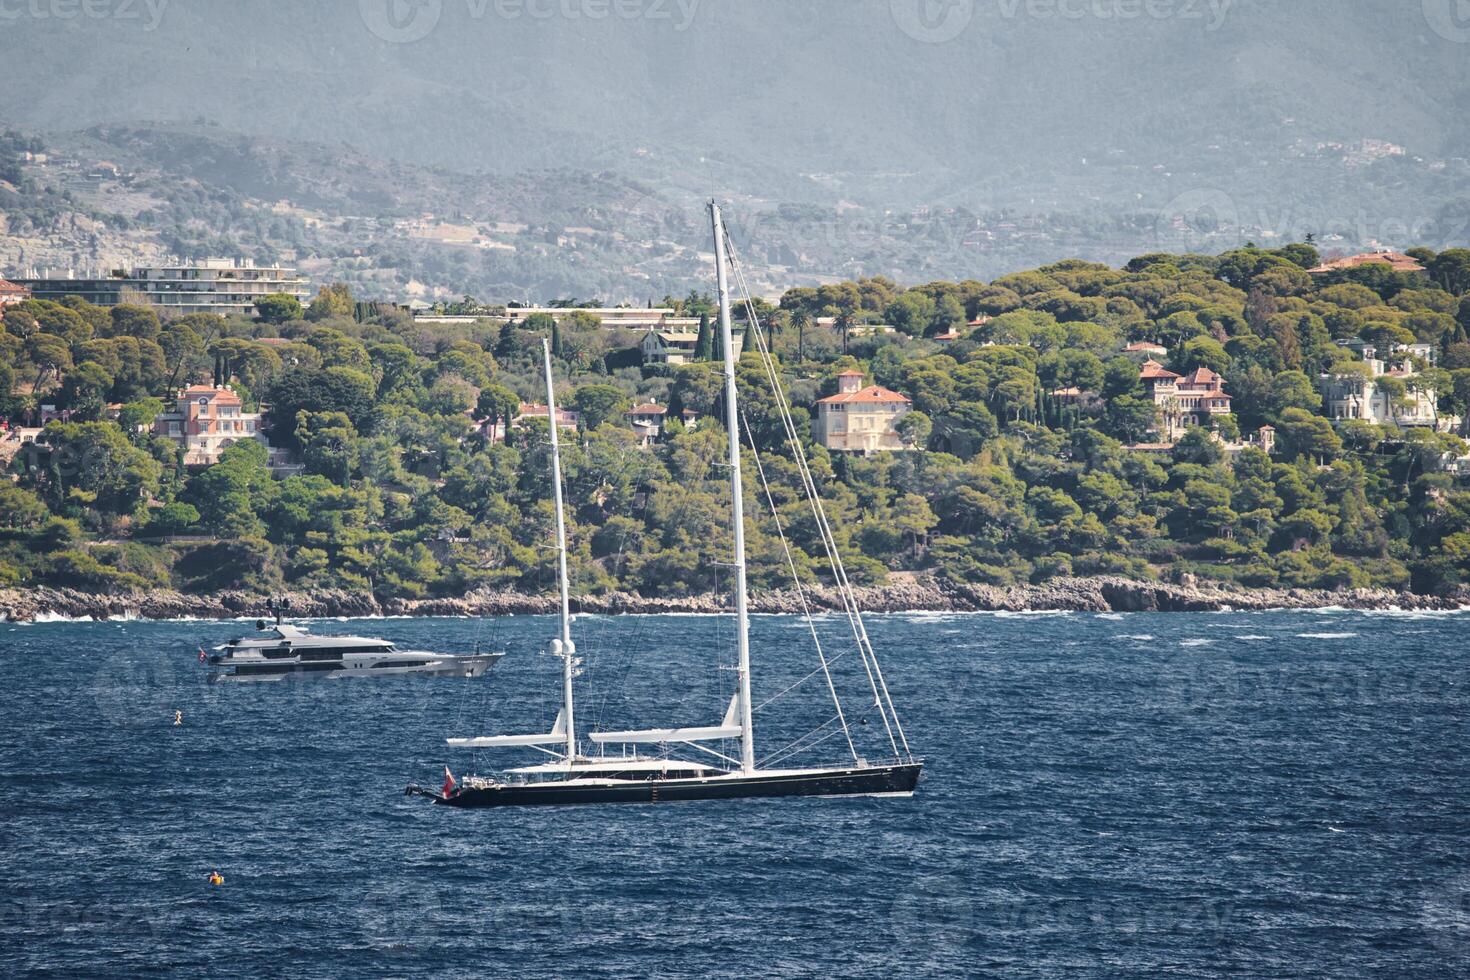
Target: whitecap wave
(1394, 612)
(1198, 641)
(1018, 613)
(1326, 636)
(54, 617)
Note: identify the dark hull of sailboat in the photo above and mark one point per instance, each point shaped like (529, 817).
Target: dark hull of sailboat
(893, 780)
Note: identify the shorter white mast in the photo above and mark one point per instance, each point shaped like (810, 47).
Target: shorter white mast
(562, 647)
(737, 502)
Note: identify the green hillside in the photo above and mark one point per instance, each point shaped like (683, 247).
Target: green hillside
(1003, 480)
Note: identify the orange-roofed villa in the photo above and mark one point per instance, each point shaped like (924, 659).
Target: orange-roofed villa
(206, 420)
(10, 294)
(647, 420)
(861, 419)
(567, 420)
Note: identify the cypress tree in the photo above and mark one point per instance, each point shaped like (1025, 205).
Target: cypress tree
(704, 347)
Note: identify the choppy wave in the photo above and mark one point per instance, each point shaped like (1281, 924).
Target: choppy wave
(1326, 636)
(1017, 613)
(1040, 753)
(53, 617)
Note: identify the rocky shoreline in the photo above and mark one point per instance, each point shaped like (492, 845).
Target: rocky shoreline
(1102, 594)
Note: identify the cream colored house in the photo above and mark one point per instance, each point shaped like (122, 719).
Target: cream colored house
(677, 346)
(861, 419)
(1349, 395)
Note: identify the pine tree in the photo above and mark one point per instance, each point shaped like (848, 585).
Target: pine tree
(555, 339)
(506, 345)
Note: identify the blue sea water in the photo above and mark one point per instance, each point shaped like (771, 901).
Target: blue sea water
(1266, 794)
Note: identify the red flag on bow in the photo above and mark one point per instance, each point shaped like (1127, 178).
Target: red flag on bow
(449, 782)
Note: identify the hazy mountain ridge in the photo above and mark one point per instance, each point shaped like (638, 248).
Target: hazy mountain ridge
(766, 91)
(396, 229)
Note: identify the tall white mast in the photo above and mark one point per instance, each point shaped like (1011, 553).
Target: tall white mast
(562, 647)
(737, 497)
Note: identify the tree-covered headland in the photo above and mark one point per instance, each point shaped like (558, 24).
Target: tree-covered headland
(1024, 459)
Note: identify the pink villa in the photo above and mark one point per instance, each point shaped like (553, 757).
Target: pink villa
(205, 420)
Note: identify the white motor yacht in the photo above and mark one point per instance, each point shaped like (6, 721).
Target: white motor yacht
(282, 652)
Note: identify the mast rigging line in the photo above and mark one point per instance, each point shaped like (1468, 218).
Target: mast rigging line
(800, 594)
(829, 542)
(801, 744)
(882, 698)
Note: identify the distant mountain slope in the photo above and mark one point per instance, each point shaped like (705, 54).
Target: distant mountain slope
(757, 97)
(401, 230)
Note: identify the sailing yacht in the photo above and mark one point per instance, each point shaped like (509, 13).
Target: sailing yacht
(570, 776)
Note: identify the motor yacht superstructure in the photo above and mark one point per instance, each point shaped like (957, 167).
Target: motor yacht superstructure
(283, 652)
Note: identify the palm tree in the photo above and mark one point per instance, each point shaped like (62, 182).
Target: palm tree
(776, 321)
(844, 321)
(801, 319)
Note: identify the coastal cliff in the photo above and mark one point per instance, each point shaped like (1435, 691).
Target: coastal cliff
(1100, 594)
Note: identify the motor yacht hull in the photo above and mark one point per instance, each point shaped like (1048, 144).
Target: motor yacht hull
(891, 780)
(470, 665)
